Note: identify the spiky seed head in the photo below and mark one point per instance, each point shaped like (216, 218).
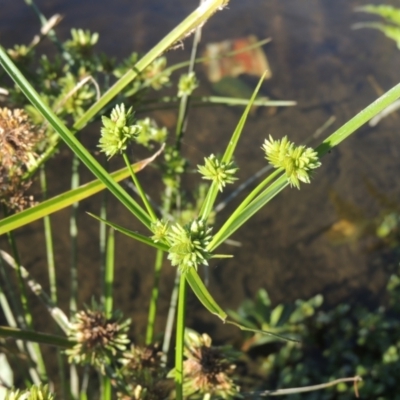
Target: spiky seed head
(117, 131)
(160, 229)
(189, 244)
(20, 140)
(187, 83)
(217, 171)
(297, 161)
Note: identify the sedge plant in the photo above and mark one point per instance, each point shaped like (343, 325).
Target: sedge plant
(97, 336)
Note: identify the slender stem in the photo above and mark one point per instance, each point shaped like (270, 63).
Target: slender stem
(27, 316)
(49, 241)
(85, 383)
(154, 297)
(142, 194)
(52, 274)
(56, 313)
(109, 274)
(106, 388)
(74, 381)
(102, 245)
(170, 318)
(73, 230)
(180, 335)
(6, 309)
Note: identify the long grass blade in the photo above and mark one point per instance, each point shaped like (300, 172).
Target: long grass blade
(36, 337)
(133, 235)
(196, 18)
(227, 157)
(67, 198)
(72, 141)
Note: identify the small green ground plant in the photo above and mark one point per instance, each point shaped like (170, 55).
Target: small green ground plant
(63, 99)
(343, 341)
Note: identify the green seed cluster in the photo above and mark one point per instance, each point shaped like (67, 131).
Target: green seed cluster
(297, 161)
(189, 244)
(217, 171)
(117, 131)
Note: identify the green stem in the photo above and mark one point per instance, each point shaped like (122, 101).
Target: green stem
(109, 274)
(169, 326)
(37, 337)
(27, 316)
(154, 297)
(106, 388)
(142, 194)
(102, 245)
(180, 336)
(49, 241)
(73, 230)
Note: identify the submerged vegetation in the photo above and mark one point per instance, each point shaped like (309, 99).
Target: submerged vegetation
(286, 345)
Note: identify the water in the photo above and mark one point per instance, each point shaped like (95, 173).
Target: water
(317, 60)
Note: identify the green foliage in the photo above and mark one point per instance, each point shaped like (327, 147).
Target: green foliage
(35, 392)
(390, 14)
(345, 341)
(68, 89)
(286, 320)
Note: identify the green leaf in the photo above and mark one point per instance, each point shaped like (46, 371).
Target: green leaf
(203, 294)
(276, 314)
(133, 235)
(196, 18)
(60, 201)
(391, 14)
(232, 225)
(72, 141)
(227, 157)
(37, 337)
(208, 301)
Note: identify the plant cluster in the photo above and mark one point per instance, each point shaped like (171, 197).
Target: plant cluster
(340, 342)
(68, 92)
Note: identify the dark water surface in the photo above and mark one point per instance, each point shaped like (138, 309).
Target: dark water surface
(317, 60)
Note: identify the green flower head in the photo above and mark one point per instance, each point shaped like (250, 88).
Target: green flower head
(117, 131)
(297, 161)
(150, 132)
(219, 172)
(160, 229)
(35, 392)
(187, 83)
(189, 244)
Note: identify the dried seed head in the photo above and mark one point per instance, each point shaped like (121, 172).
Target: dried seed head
(100, 340)
(208, 369)
(143, 375)
(19, 140)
